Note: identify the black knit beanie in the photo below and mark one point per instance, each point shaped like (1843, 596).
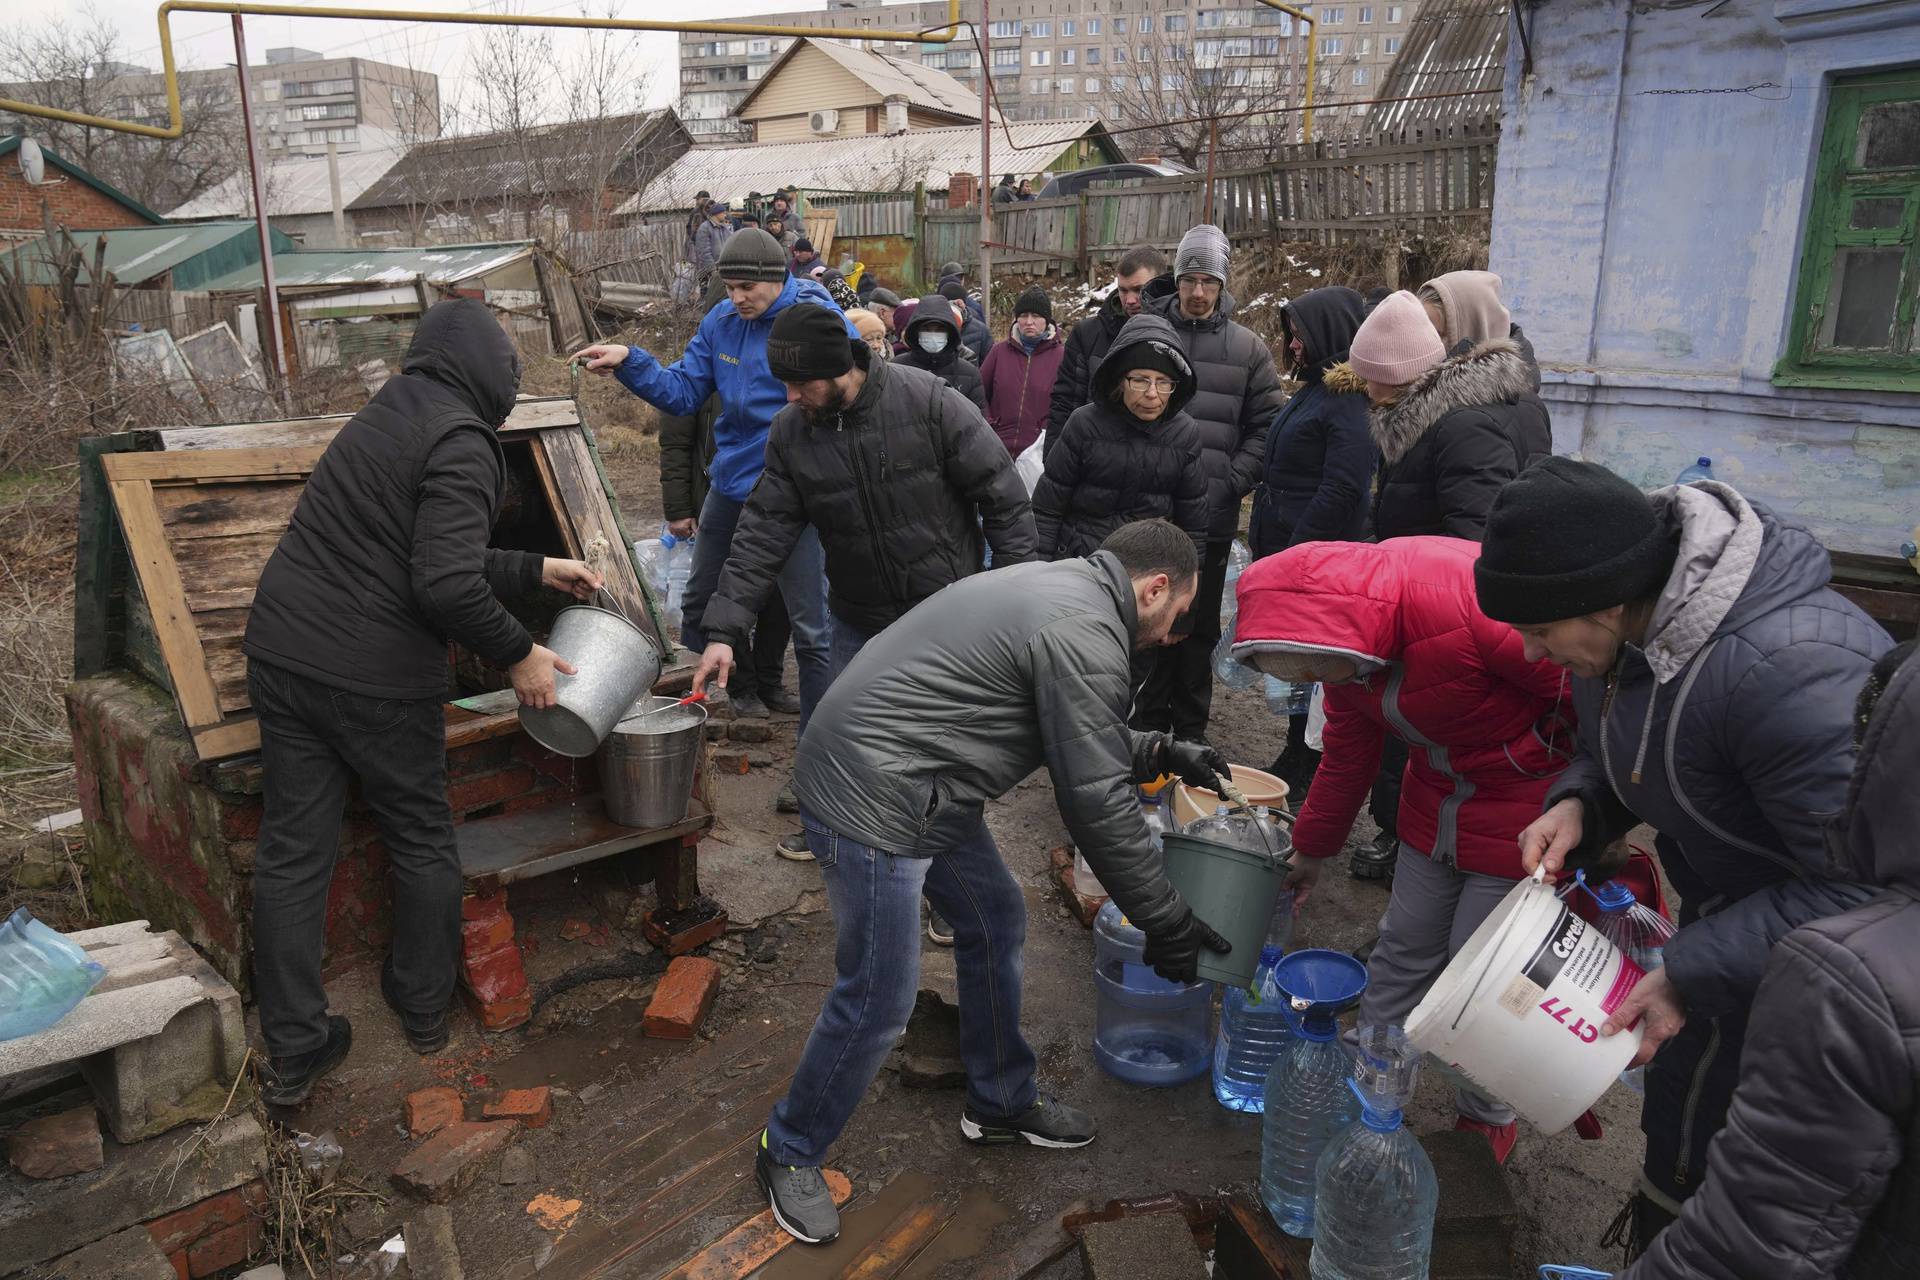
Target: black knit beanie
(1567, 539)
(808, 342)
(751, 254)
(952, 292)
(1154, 357)
(1033, 301)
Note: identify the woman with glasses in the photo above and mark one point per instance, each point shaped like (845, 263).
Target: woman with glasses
(1715, 672)
(1132, 454)
(1392, 631)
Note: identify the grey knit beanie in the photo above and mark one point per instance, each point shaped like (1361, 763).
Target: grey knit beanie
(752, 254)
(1203, 252)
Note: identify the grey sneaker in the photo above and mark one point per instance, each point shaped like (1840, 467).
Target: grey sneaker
(794, 848)
(747, 705)
(1049, 1122)
(939, 932)
(799, 1198)
(786, 801)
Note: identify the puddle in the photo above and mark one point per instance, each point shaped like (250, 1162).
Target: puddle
(974, 1219)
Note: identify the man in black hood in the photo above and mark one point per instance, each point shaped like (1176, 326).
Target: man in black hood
(932, 340)
(1092, 337)
(384, 561)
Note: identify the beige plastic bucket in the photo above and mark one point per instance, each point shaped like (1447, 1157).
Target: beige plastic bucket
(1196, 802)
(1518, 1011)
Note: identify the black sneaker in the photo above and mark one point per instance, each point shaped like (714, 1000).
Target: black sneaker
(287, 1081)
(1049, 1122)
(747, 705)
(1375, 860)
(786, 801)
(426, 1032)
(939, 932)
(781, 702)
(794, 848)
(799, 1198)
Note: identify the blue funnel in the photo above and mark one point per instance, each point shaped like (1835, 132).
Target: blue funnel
(1319, 986)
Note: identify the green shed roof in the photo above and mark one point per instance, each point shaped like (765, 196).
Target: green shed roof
(194, 254)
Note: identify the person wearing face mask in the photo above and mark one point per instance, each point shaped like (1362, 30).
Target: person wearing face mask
(1392, 630)
(1018, 374)
(948, 708)
(1091, 338)
(1714, 673)
(932, 345)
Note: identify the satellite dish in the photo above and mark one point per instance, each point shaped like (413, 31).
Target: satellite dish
(32, 163)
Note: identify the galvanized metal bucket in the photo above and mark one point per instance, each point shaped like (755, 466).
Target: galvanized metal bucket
(617, 664)
(648, 762)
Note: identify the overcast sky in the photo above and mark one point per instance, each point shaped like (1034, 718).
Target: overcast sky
(205, 39)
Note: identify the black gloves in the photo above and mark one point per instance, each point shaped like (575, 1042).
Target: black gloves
(1195, 763)
(1175, 952)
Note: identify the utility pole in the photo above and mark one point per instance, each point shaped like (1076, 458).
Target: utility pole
(270, 323)
(334, 198)
(986, 164)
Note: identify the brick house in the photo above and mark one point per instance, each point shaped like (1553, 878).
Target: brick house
(75, 197)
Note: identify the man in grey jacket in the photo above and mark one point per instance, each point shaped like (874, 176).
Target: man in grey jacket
(945, 710)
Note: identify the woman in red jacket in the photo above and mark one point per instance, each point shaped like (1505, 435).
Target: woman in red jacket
(1393, 632)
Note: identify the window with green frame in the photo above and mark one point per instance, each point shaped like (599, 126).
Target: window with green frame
(1854, 318)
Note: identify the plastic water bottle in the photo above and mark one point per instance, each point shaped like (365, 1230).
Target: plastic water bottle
(1702, 469)
(1254, 1030)
(1285, 698)
(42, 976)
(1638, 932)
(1146, 1030)
(1308, 1100)
(679, 567)
(1375, 1192)
(1235, 675)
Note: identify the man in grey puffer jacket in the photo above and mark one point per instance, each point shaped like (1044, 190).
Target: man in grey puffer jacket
(1238, 396)
(1817, 1172)
(947, 709)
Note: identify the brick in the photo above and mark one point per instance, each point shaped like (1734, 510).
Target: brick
(531, 1107)
(176, 1231)
(499, 1015)
(431, 1110)
(438, 1168)
(178, 1261)
(489, 789)
(227, 1247)
(682, 999)
(478, 936)
(495, 975)
(488, 906)
(432, 1252)
(731, 760)
(750, 731)
(660, 928)
(478, 757)
(58, 1145)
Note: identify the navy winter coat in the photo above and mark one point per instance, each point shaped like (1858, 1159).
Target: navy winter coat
(1320, 452)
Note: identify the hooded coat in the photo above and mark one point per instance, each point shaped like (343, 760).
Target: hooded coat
(1730, 732)
(1817, 1173)
(728, 355)
(708, 239)
(951, 365)
(1320, 454)
(1238, 395)
(1457, 433)
(1110, 468)
(1086, 344)
(1018, 386)
(1487, 727)
(385, 558)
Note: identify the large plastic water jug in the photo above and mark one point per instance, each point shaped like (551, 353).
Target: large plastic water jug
(666, 563)
(1254, 1030)
(42, 976)
(1375, 1192)
(1639, 932)
(1146, 1030)
(1308, 1100)
(1235, 675)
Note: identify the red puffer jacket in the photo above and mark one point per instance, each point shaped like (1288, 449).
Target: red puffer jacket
(1451, 681)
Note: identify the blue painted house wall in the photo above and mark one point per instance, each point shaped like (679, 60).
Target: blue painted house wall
(1650, 243)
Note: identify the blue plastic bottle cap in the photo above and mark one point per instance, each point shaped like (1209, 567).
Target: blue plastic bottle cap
(668, 541)
(1703, 462)
(1613, 896)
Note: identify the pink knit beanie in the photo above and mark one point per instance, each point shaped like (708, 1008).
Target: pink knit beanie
(1397, 343)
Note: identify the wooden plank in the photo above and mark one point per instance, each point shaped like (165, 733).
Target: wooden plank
(166, 596)
(903, 1240)
(752, 1244)
(221, 566)
(530, 413)
(100, 587)
(213, 464)
(556, 508)
(236, 737)
(222, 511)
(577, 481)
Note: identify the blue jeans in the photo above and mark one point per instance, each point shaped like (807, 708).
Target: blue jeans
(803, 584)
(875, 897)
(845, 646)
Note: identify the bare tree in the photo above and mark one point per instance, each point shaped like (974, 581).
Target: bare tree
(1178, 92)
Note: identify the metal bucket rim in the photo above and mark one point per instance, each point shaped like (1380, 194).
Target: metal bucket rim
(620, 618)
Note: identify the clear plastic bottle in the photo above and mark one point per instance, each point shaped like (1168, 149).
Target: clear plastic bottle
(679, 568)
(1233, 674)
(1639, 932)
(1146, 1030)
(1702, 469)
(42, 976)
(1254, 1030)
(1307, 1099)
(1375, 1192)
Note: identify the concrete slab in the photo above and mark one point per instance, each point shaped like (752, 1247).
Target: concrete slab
(747, 880)
(125, 1255)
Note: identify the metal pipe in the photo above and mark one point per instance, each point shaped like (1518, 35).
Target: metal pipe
(270, 328)
(986, 169)
(175, 125)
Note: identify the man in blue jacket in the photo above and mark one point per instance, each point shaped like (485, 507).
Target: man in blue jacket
(728, 356)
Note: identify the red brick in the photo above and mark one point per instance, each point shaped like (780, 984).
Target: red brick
(439, 1167)
(489, 906)
(73, 204)
(179, 1260)
(682, 999)
(499, 1015)
(57, 1145)
(531, 1107)
(489, 789)
(678, 944)
(477, 758)
(224, 1248)
(240, 821)
(181, 1228)
(429, 1110)
(495, 975)
(480, 936)
(731, 761)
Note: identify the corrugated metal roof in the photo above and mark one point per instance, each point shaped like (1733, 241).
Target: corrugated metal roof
(193, 252)
(887, 76)
(440, 264)
(294, 187)
(1457, 46)
(861, 162)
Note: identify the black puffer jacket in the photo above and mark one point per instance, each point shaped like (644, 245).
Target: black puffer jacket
(1817, 1173)
(1238, 395)
(900, 486)
(951, 365)
(1085, 347)
(1320, 454)
(686, 447)
(386, 557)
(1111, 468)
(957, 702)
(1456, 435)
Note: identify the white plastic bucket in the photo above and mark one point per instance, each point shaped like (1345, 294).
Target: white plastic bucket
(1518, 1011)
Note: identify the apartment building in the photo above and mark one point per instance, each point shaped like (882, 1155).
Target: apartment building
(1086, 59)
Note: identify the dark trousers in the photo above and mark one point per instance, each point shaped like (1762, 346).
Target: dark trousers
(1178, 693)
(314, 741)
(1384, 804)
(762, 665)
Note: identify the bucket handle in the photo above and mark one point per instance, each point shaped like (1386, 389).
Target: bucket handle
(1539, 877)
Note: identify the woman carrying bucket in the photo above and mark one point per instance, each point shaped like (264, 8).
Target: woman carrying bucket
(1391, 629)
(1714, 676)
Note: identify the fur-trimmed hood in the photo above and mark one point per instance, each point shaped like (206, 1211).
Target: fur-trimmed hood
(1494, 372)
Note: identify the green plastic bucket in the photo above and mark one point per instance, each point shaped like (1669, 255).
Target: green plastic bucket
(1233, 890)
